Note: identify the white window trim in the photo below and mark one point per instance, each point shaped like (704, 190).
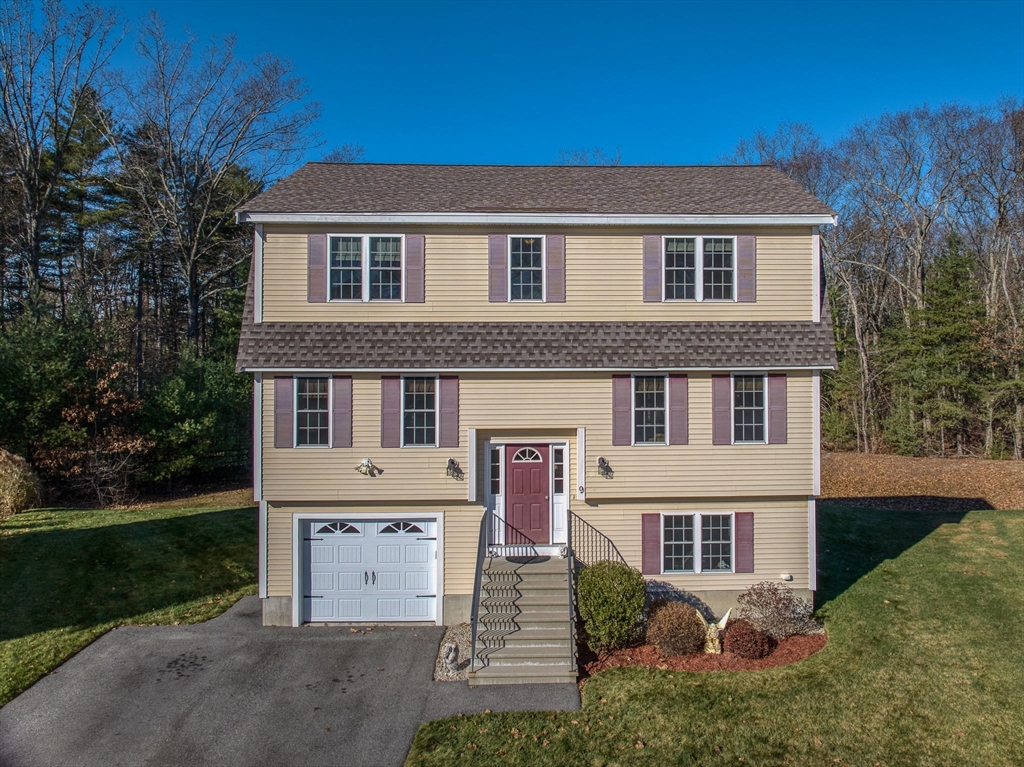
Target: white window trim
(364, 260)
(732, 408)
(330, 412)
(632, 411)
(698, 263)
(697, 542)
(437, 410)
(543, 270)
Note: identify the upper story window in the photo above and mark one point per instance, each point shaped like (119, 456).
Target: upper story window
(649, 407)
(365, 268)
(748, 406)
(526, 268)
(699, 268)
(419, 412)
(312, 412)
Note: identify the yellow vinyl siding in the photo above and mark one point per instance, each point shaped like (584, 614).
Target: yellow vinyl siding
(544, 406)
(604, 280)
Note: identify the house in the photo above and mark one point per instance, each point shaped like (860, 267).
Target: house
(458, 368)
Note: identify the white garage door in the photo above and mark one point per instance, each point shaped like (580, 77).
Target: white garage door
(370, 570)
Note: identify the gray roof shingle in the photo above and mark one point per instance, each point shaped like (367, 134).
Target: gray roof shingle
(699, 190)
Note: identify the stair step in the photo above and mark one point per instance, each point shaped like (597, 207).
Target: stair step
(535, 565)
(479, 679)
(524, 619)
(544, 633)
(525, 601)
(531, 662)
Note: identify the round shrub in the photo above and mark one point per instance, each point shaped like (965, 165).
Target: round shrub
(675, 628)
(611, 598)
(19, 486)
(774, 609)
(746, 641)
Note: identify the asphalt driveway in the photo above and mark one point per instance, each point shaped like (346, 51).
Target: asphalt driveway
(233, 692)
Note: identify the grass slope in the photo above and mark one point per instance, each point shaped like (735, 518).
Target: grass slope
(67, 576)
(925, 616)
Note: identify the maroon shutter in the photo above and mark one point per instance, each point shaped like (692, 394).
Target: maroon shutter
(284, 404)
(316, 268)
(652, 267)
(777, 409)
(415, 245)
(622, 396)
(746, 269)
(721, 410)
(555, 247)
(497, 249)
(650, 525)
(744, 521)
(390, 411)
(449, 411)
(678, 410)
(341, 412)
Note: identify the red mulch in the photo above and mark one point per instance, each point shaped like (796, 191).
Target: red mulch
(789, 651)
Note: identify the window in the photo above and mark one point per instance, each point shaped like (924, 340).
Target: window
(365, 268)
(419, 412)
(526, 268)
(401, 527)
(699, 268)
(527, 455)
(495, 471)
(312, 412)
(649, 410)
(558, 469)
(684, 535)
(748, 408)
(338, 527)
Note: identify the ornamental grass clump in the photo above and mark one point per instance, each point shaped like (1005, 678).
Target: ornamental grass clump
(774, 609)
(744, 639)
(611, 598)
(676, 628)
(19, 486)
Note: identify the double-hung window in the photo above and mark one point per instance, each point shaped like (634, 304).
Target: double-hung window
(649, 410)
(748, 408)
(699, 268)
(419, 412)
(696, 543)
(365, 268)
(526, 268)
(312, 412)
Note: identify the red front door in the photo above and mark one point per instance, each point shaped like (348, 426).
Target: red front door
(528, 505)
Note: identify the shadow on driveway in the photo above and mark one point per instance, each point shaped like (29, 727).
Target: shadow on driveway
(233, 692)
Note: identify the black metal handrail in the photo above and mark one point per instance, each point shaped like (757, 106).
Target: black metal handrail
(589, 545)
(474, 614)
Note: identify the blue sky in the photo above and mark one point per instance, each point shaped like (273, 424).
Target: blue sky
(515, 82)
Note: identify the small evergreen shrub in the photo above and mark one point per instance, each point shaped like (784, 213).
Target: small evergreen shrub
(675, 628)
(611, 598)
(19, 486)
(774, 609)
(746, 641)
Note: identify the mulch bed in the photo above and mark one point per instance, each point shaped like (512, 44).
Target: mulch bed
(789, 650)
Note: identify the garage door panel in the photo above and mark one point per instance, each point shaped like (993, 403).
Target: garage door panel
(417, 608)
(417, 581)
(350, 581)
(417, 554)
(322, 555)
(389, 581)
(350, 555)
(389, 608)
(322, 609)
(322, 581)
(389, 555)
(350, 609)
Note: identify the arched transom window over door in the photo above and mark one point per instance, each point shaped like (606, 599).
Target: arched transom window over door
(527, 455)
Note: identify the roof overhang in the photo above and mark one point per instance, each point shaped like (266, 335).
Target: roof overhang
(533, 219)
(433, 370)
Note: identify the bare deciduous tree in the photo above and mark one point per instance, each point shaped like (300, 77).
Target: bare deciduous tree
(585, 156)
(346, 153)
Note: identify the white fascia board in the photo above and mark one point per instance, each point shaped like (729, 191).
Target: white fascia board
(434, 370)
(535, 219)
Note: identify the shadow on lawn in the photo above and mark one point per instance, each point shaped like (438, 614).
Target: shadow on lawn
(855, 535)
(79, 577)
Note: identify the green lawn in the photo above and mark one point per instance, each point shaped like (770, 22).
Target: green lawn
(925, 613)
(67, 576)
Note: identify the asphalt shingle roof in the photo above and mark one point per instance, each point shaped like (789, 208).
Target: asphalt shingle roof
(699, 190)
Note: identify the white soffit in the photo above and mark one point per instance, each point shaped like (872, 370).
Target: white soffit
(532, 219)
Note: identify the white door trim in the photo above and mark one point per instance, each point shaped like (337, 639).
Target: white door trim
(503, 443)
(299, 517)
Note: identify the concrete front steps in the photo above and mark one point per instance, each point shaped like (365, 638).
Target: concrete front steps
(524, 630)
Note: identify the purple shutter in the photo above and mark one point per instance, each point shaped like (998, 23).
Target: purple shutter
(390, 411)
(284, 404)
(497, 257)
(650, 525)
(678, 410)
(341, 412)
(316, 268)
(721, 410)
(555, 247)
(777, 409)
(415, 245)
(744, 521)
(622, 396)
(652, 268)
(746, 269)
(449, 411)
